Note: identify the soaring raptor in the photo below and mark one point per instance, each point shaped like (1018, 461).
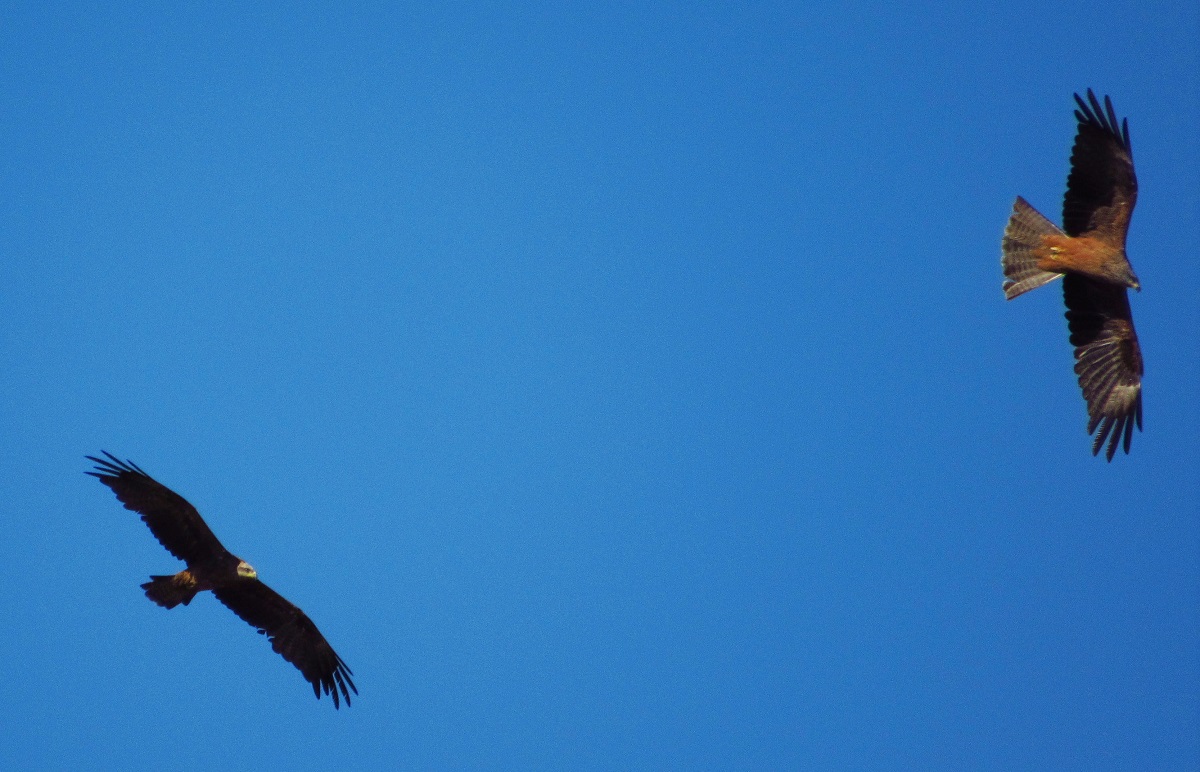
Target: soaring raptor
(178, 527)
(1089, 254)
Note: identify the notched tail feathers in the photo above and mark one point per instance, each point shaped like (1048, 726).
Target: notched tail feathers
(1022, 237)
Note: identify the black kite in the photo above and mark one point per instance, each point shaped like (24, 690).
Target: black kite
(1089, 253)
(178, 527)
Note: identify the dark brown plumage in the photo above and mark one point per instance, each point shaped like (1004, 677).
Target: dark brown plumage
(1089, 253)
(178, 527)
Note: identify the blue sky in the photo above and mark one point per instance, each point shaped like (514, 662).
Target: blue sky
(616, 387)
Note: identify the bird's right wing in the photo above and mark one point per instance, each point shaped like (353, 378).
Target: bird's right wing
(1102, 186)
(292, 634)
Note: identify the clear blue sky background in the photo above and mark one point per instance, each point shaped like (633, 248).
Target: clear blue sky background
(623, 387)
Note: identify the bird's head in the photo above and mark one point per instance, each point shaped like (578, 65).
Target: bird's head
(1126, 275)
(246, 571)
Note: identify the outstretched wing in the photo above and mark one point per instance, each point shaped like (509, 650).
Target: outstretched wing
(1101, 188)
(1108, 358)
(292, 634)
(173, 521)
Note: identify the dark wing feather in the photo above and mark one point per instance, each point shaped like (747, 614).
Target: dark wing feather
(1101, 188)
(292, 634)
(173, 521)
(1108, 358)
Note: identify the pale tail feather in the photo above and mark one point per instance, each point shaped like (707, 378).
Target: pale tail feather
(1023, 235)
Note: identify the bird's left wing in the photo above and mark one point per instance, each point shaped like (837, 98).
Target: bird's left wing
(173, 521)
(1108, 358)
(292, 634)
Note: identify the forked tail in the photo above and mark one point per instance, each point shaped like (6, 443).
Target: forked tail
(170, 591)
(1022, 237)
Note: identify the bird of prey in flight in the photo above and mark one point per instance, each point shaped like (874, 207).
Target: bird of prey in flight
(1088, 252)
(178, 527)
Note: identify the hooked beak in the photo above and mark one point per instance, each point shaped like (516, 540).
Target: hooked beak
(1131, 280)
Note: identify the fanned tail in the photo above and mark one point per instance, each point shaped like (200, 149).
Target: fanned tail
(1024, 234)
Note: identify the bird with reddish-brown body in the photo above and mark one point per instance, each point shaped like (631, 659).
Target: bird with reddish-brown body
(1088, 252)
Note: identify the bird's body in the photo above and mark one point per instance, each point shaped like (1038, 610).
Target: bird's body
(1088, 253)
(210, 567)
(170, 591)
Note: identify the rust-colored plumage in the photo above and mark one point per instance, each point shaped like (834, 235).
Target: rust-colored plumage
(178, 527)
(1088, 252)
